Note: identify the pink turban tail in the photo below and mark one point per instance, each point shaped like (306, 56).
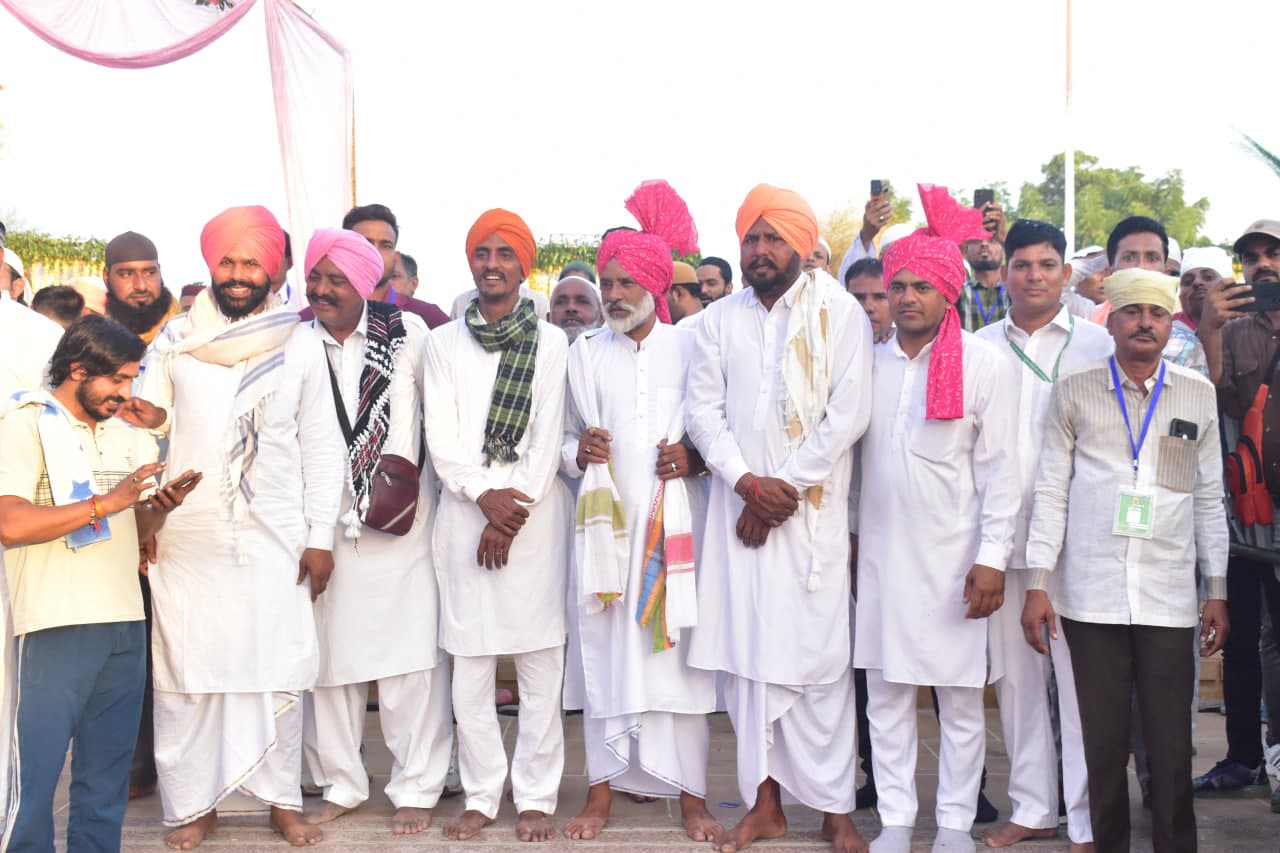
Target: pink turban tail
(253, 228)
(665, 225)
(788, 213)
(933, 253)
(350, 253)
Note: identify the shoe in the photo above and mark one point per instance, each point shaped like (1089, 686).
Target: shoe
(1273, 761)
(987, 813)
(866, 798)
(1232, 779)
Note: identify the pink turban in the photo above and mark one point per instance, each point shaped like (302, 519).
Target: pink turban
(252, 227)
(665, 224)
(788, 213)
(512, 229)
(351, 253)
(933, 253)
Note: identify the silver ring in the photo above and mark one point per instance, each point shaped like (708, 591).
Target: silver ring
(673, 467)
(882, 219)
(588, 450)
(135, 479)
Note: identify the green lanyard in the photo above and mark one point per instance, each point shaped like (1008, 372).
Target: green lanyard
(1035, 368)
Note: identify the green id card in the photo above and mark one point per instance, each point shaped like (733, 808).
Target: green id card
(1135, 513)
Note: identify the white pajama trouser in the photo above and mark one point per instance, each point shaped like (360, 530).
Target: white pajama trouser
(1075, 776)
(538, 761)
(656, 753)
(210, 744)
(804, 738)
(892, 713)
(417, 726)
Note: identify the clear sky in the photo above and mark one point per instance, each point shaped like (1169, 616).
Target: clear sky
(557, 109)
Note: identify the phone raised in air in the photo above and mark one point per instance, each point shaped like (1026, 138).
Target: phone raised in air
(1266, 297)
(983, 197)
(879, 186)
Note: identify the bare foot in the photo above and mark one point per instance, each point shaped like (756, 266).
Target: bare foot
(594, 815)
(295, 830)
(1083, 847)
(189, 835)
(765, 820)
(843, 835)
(409, 820)
(468, 824)
(328, 811)
(639, 798)
(699, 824)
(1008, 834)
(534, 826)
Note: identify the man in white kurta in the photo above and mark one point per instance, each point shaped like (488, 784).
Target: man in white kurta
(247, 402)
(380, 579)
(1042, 340)
(939, 495)
(773, 600)
(501, 593)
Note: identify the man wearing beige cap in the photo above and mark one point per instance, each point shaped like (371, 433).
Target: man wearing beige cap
(1129, 496)
(684, 299)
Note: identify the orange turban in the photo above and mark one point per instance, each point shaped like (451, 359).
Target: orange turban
(788, 213)
(510, 228)
(252, 227)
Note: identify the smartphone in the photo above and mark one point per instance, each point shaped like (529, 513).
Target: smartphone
(1179, 428)
(185, 481)
(983, 197)
(879, 186)
(1266, 297)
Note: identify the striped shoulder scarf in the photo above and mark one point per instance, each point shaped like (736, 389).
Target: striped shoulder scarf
(516, 337)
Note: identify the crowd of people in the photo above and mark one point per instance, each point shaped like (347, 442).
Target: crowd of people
(972, 457)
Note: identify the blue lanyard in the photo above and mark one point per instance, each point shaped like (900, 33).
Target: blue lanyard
(995, 303)
(1124, 411)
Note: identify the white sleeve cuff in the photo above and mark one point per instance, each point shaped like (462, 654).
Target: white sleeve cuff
(320, 536)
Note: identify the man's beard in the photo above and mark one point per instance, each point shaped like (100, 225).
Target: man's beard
(634, 319)
(96, 407)
(765, 278)
(139, 319)
(238, 310)
(985, 265)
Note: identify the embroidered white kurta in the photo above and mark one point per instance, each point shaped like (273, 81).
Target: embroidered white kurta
(230, 615)
(518, 608)
(756, 616)
(380, 580)
(938, 496)
(639, 391)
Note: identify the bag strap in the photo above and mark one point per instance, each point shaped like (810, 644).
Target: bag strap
(1271, 368)
(337, 399)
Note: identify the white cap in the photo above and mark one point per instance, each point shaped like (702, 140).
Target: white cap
(1175, 251)
(11, 258)
(1208, 257)
(894, 232)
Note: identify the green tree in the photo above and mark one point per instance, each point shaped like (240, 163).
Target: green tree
(1105, 195)
(1255, 148)
(840, 227)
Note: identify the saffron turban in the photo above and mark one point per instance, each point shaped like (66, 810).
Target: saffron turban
(665, 224)
(1141, 287)
(788, 213)
(130, 246)
(251, 227)
(933, 253)
(512, 229)
(350, 253)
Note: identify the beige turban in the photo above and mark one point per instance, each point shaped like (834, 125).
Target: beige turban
(1141, 287)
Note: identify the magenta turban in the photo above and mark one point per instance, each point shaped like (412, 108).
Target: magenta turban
(933, 253)
(351, 253)
(665, 224)
(252, 227)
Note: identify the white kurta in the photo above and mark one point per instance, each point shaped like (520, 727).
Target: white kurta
(380, 580)
(519, 608)
(938, 496)
(639, 391)
(756, 616)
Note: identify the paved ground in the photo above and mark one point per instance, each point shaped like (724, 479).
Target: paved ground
(1225, 825)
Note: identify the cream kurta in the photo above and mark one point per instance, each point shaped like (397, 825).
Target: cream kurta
(938, 496)
(518, 608)
(756, 617)
(381, 580)
(230, 615)
(638, 393)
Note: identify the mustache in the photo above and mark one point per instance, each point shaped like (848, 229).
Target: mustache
(235, 282)
(618, 303)
(323, 300)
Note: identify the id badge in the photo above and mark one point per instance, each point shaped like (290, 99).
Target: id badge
(1135, 514)
(83, 537)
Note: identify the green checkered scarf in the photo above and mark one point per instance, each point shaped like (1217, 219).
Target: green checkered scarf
(516, 337)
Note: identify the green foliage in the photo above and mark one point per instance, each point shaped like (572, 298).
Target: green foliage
(37, 248)
(1254, 147)
(1104, 196)
(553, 254)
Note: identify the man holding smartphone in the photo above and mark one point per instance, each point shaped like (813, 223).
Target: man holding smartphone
(984, 300)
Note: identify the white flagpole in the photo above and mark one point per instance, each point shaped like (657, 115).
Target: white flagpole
(1069, 158)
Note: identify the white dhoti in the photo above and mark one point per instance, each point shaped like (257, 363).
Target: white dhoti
(1075, 776)
(538, 761)
(8, 688)
(1020, 676)
(804, 738)
(413, 710)
(892, 713)
(211, 744)
(655, 754)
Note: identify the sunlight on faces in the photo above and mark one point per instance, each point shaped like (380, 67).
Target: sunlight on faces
(383, 238)
(818, 260)
(1192, 287)
(1034, 277)
(495, 269)
(574, 308)
(769, 264)
(1143, 250)
(102, 396)
(1260, 259)
(627, 305)
(1140, 331)
(917, 307)
(240, 284)
(332, 297)
(135, 282)
(870, 293)
(713, 285)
